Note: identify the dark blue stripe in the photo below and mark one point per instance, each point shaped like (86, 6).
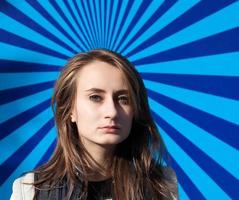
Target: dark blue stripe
(143, 6)
(193, 15)
(202, 119)
(23, 19)
(12, 124)
(78, 25)
(219, 175)
(7, 66)
(48, 17)
(161, 10)
(110, 18)
(47, 155)
(224, 42)
(15, 160)
(217, 85)
(55, 5)
(10, 38)
(20, 92)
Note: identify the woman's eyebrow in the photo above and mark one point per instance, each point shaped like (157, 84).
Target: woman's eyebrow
(98, 90)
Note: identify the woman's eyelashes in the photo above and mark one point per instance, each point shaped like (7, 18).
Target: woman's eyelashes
(122, 99)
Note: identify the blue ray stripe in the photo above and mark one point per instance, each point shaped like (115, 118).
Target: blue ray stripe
(205, 46)
(181, 193)
(20, 92)
(33, 124)
(215, 85)
(196, 174)
(112, 20)
(175, 11)
(102, 20)
(14, 123)
(71, 23)
(215, 65)
(144, 16)
(47, 154)
(15, 27)
(80, 22)
(217, 150)
(223, 178)
(201, 119)
(11, 80)
(97, 9)
(109, 7)
(8, 66)
(211, 25)
(19, 155)
(37, 17)
(14, 53)
(122, 11)
(14, 40)
(55, 15)
(29, 162)
(21, 105)
(208, 103)
(85, 7)
(131, 10)
(196, 13)
(93, 19)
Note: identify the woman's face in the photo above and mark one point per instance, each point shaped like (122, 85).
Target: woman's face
(102, 110)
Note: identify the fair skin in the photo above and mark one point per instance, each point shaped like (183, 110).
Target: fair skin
(102, 110)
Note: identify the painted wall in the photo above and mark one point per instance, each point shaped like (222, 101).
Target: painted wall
(187, 52)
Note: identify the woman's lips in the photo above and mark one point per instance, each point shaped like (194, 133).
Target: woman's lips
(110, 129)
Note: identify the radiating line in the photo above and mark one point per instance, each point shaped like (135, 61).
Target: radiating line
(217, 150)
(216, 65)
(154, 5)
(128, 20)
(14, 53)
(107, 24)
(210, 26)
(174, 12)
(120, 15)
(196, 174)
(34, 15)
(103, 15)
(214, 105)
(181, 193)
(33, 125)
(98, 22)
(94, 19)
(15, 27)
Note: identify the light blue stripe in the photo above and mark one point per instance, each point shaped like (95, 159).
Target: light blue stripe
(85, 30)
(23, 31)
(216, 65)
(14, 53)
(182, 194)
(217, 150)
(174, 12)
(98, 23)
(112, 20)
(29, 11)
(30, 161)
(55, 15)
(118, 21)
(94, 23)
(90, 23)
(108, 4)
(102, 23)
(221, 107)
(20, 105)
(66, 12)
(154, 5)
(128, 20)
(202, 181)
(12, 80)
(22, 134)
(222, 20)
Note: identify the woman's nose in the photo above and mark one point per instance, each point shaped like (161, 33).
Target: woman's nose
(110, 109)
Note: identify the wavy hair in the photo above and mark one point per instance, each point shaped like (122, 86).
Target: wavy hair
(137, 162)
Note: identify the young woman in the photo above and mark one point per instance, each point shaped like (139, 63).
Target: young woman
(108, 144)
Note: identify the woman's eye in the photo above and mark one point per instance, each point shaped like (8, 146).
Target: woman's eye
(95, 98)
(123, 100)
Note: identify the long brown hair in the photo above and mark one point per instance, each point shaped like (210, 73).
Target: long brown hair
(137, 163)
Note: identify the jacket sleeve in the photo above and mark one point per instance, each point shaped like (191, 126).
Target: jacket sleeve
(22, 188)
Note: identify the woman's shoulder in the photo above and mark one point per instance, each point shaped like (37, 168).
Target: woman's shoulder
(22, 187)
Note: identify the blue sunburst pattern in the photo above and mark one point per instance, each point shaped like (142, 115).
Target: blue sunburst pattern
(186, 51)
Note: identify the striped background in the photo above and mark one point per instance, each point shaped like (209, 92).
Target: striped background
(187, 52)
